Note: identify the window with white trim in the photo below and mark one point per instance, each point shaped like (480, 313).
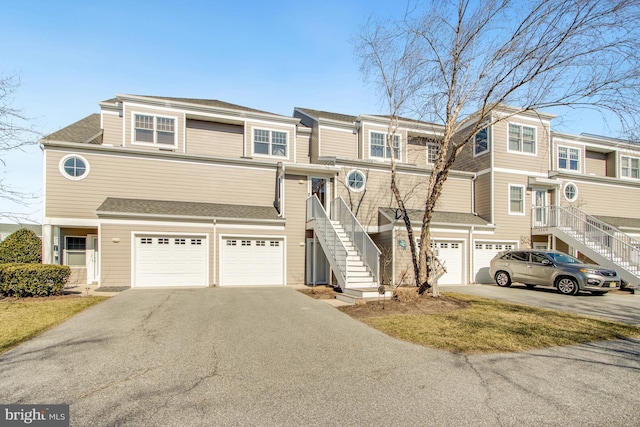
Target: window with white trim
(516, 199)
(432, 152)
(74, 167)
(570, 192)
(569, 159)
(156, 130)
(356, 181)
(481, 142)
(75, 253)
(270, 142)
(379, 147)
(522, 138)
(630, 167)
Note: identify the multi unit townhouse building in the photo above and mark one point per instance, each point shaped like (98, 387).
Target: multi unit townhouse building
(159, 191)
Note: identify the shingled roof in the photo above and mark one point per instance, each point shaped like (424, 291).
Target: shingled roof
(86, 130)
(317, 114)
(620, 222)
(171, 208)
(439, 217)
(209, 103)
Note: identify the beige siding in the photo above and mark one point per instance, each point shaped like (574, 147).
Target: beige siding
(112, 129)
(483, 196)
(468, 161)
(214, 139)
(416, 154)
(145, 178)
(606, 199)
(338, 143)
(295, 214)
(303, 147)
(595, 163)
(511, 227)
(538, 163)
(456, 193)
(612, 164)
(128, 116)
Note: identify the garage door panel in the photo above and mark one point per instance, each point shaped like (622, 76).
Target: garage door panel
(483, 253)
(451, 254)
(252, 261)
(170, 261)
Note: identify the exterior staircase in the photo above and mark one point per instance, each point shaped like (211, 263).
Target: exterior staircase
(351, 253)
(601, 242)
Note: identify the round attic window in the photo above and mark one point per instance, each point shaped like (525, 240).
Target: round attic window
(571, 192)
(356, 180)
(74, 167)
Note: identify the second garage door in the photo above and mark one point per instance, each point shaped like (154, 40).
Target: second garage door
(252, 261)
(483, 253)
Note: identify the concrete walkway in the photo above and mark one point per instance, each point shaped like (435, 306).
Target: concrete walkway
(272, 356)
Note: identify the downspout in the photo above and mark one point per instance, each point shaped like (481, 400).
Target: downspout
(473, 194)
(215, 242)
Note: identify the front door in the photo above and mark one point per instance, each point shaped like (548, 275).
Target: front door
(540, 202)
(319, 189)
(92, 258)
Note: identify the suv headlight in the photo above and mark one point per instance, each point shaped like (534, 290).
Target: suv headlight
(588, 271)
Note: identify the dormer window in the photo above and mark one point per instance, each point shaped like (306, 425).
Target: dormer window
(155, 130)
(630, 167)
(569, 159)
(270, 142)
(481, 142)
(379, 147)
(522, 139)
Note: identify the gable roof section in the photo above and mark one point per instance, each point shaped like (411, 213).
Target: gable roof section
(205, 102)
(317, 114)
(619, 222)
(86, 130)
(177, 209)
(439, 217)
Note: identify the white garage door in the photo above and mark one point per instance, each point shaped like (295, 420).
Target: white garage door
(451, 254)
(170, 261)
(483, 253)
(252, 261)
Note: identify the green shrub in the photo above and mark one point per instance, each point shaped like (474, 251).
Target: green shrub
(27, 280)
(22, 246)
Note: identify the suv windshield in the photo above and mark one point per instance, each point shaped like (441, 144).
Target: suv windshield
(563, 258)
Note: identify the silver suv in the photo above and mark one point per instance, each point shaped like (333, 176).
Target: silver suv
(552, 269)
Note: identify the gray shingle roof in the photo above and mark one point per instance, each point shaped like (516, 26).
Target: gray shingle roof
(178, 209)
(86, 130)
(620, 222)
(327, 115)
(416, 216)
(209, 103)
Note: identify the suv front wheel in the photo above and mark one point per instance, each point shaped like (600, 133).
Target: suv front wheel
(503, 279)
(567, 286)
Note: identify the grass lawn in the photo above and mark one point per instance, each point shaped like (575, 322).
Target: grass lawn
(23, 319)
(489, 326)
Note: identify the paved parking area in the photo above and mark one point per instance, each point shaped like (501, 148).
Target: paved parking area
(272, 356)
(613, 306)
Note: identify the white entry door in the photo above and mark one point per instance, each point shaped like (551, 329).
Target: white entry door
(252, 261)
(92, 258)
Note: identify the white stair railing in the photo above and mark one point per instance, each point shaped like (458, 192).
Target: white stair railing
(618, 247)
(334, 245)
(368, 250)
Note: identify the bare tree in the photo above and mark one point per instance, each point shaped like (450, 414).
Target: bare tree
(15, 133)
(462, 58)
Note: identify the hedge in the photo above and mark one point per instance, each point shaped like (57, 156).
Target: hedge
(22, 246)
(30, 280)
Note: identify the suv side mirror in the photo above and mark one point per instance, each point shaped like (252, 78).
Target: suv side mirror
(546, 262)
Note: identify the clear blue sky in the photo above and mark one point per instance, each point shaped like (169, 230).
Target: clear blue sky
(269, 55)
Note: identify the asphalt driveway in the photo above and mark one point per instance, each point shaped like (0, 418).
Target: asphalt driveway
(254, 356)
